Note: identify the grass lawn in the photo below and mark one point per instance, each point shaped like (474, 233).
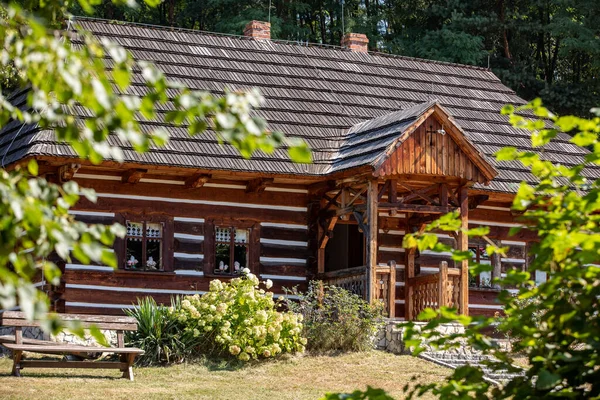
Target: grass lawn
(295, 378)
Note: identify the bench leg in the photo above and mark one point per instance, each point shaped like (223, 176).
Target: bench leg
(128, 371)
(16, 369)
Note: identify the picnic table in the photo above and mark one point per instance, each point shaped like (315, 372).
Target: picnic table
(17, 344)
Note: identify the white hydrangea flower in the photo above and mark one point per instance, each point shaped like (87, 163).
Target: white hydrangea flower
(268, 284)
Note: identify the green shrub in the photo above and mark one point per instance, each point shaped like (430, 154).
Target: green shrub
(159, 333)
(335, 319)
(238, 319)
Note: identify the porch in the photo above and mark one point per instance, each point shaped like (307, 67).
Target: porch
(436, 290)
(395, 276)
(427, 169)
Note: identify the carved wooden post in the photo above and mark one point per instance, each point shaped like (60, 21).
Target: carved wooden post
(463, 245)
(372, 215)
(442, 285)
(496, 266)
(320, 250)
(409, 299)
(392, 289)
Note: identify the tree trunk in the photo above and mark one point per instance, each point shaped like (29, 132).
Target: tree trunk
(501, 13)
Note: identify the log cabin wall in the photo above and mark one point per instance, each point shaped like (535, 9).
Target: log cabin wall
(278, 218)
(278, 239)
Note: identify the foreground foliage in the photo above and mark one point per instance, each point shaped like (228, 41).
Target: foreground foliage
(335, 319)
(235, 319)
(159, 334)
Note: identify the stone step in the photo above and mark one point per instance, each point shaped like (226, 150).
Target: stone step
(456, 360)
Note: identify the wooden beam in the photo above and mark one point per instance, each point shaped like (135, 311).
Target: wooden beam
(393, 191)
(67, 171)
(327, 232)
(384, 188)
(443, 284)
(320, 188)
(197, 180)
(356, 196)
(392, 289)
(476, 200)
(331, 201)
(360, 219)
(133, 175)
(258, 185)
(409, 274)
(443, 195)
(416, 208)
(421, 193)
(372, 247)
(463, 245)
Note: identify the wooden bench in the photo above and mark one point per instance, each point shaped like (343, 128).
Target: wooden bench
(17, 344)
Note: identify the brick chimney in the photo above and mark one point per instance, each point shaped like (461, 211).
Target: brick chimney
(355, 42)
(258, 30)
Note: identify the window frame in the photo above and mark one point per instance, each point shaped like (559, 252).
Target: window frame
(210, 245)
(167, 241)
(232, 244)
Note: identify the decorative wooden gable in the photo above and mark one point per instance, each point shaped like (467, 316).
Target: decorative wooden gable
(435, 145)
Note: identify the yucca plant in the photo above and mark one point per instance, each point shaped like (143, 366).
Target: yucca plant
(159, 333)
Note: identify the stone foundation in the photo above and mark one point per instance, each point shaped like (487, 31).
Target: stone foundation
(391, 337)
(62, 337)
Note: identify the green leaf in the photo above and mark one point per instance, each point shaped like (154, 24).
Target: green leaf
(427, 314)
(506, 154)
(547, 380)
(479, 231)
(122, 77)
(300, 154)
(98, 336)
(584, 139)
(32, 167)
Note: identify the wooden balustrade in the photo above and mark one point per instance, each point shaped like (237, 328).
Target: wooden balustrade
(353, 280)
(386, 287)
(441, 289)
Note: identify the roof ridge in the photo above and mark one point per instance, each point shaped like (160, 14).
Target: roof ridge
(279, 41)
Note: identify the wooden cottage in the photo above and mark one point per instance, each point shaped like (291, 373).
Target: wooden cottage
(396, 142)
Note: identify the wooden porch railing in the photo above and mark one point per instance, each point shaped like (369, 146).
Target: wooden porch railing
(441, 289)
(385, 288)
(353, 280)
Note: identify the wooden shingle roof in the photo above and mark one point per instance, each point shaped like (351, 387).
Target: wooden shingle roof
(317, 93)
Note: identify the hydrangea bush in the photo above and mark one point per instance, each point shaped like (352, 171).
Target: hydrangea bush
(240, 319)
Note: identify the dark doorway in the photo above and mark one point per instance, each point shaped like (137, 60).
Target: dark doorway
(345, 249)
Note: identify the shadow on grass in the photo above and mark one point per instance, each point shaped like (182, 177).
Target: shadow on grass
(63, 375)
(57, 372)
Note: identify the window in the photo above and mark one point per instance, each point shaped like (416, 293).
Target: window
(480, 256)
(144, 246)
(231, 250)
